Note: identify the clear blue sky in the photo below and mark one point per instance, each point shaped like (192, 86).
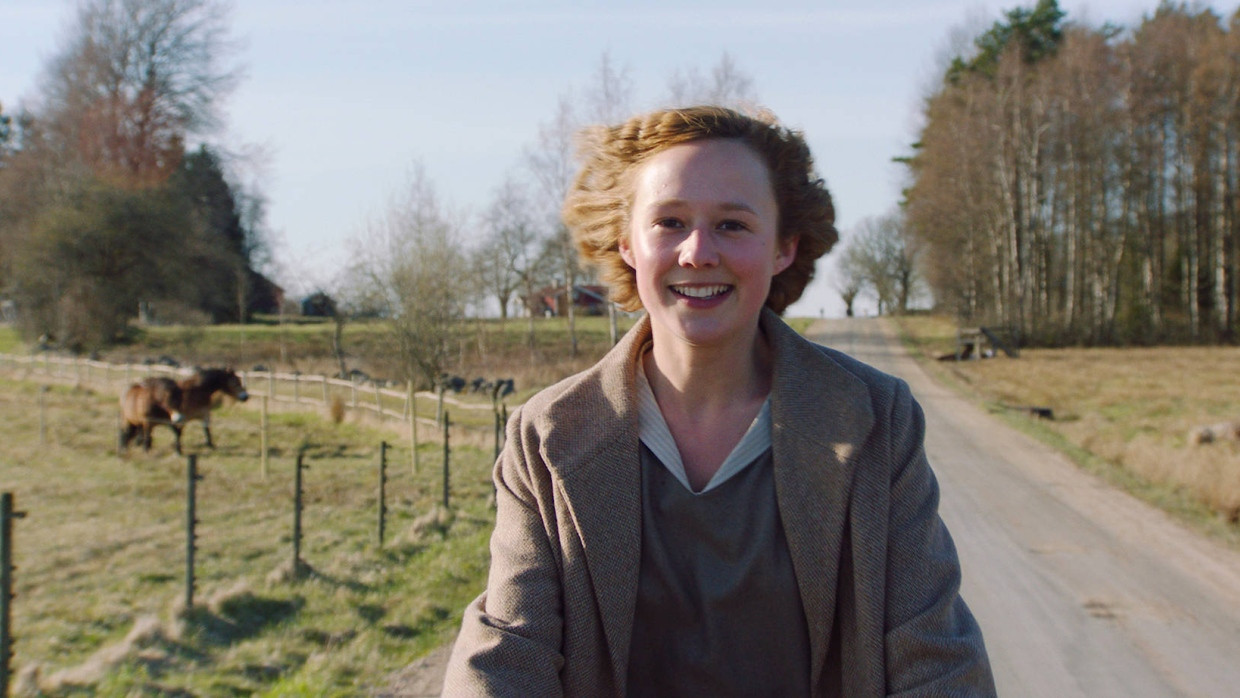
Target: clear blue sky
(344, 97)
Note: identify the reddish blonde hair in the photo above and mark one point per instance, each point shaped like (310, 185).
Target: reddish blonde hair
(597, 207)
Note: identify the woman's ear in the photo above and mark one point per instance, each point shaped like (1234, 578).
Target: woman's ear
(785, 253)
(626, 253)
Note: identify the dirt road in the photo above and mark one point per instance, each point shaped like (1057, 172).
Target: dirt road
(1081, 590)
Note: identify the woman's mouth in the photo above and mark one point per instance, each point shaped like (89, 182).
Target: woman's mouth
(702, 292)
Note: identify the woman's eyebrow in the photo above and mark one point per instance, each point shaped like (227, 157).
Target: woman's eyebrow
(726, 206)
(738, 206)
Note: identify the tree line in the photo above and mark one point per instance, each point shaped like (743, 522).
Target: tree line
(1079, 183)
(111, 200)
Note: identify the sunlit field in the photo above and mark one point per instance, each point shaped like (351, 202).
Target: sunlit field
(1134, 410)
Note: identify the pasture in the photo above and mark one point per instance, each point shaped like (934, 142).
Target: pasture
(100, 555)
(1125, 414)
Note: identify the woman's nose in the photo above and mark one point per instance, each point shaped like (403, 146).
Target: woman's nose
(698, 249)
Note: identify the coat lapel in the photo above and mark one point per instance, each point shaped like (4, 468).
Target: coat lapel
(820, 417)
(594, 450)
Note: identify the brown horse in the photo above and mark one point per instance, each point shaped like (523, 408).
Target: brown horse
(146, 404)
(198, 397)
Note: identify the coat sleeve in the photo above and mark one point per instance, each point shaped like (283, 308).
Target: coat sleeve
(933, 644)
(510, 639)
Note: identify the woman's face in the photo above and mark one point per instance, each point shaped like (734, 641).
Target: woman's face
(703, 241)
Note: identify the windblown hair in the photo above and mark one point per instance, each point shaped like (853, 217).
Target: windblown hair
(598, 206)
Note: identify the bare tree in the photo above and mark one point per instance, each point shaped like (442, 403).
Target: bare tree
(610, 96)
(409, 260)
(510, 259)
(552, 165)
(134, 79)
(609, 102)
(847, 278)
(881, 256)
(727, 85)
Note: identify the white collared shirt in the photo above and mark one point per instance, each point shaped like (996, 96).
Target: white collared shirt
(654, 432)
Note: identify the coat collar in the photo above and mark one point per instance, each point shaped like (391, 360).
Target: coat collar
(820, 416)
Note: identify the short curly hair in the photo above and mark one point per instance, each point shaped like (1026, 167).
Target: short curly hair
(597, 207)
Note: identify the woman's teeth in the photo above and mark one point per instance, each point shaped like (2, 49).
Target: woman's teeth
(701, 291)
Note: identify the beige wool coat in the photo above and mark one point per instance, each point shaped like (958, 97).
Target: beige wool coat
(876, 569)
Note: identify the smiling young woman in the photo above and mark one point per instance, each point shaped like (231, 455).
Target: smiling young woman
(718, 507)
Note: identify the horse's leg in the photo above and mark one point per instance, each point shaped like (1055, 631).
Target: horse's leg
(206, 430)
(126, 435)
(147, 428)
(177, 430)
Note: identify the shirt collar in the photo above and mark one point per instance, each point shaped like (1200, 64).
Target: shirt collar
(654, 432)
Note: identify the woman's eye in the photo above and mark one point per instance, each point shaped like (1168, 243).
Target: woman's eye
(667, 223)
(732, 225)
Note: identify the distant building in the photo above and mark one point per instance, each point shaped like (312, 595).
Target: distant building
(318, 304)
(549, 302)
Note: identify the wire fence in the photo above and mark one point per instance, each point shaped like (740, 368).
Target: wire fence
(290, 388)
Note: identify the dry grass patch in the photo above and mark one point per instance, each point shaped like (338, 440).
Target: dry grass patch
(1135, 408)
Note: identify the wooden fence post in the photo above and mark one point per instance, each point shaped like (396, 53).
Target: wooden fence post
(413, 427)
(7, 514)
(383, 449)
(191, 524)
(326, 398)
(263, 427)
(43, 389)
(499, 427)
(297, 505)
(447, 454)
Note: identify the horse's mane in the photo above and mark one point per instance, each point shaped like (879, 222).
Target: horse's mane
(214, 378)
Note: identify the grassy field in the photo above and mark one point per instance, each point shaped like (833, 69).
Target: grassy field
(1126, 414)
(100, 554)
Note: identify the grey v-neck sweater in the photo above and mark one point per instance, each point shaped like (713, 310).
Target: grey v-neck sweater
(718, 611)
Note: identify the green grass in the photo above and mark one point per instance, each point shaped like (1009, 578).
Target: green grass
(10, 341)
(103, 545)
